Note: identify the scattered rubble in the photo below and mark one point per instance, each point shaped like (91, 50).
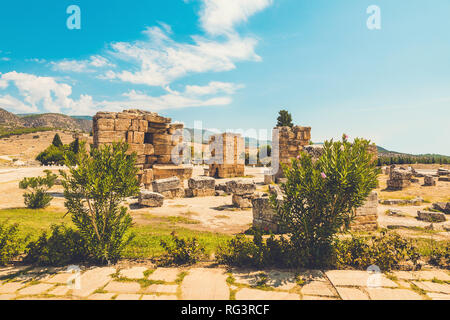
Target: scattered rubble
(150, 199)
(170, 188)
(430, 216)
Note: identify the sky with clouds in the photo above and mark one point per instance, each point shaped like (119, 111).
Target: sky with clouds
(235, 63)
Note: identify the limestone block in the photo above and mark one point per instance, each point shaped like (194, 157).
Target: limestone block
(431, 216)
(168, 184)
(136, 147)
(161, 138)
(104, 124)
(174, 193)
(143, 126)
(122, 124)
(149, 149)
(242, 201)
(429, 181)
(241, 187)
(442, 206)
(202, 183)
(151, 199)
(162, 149)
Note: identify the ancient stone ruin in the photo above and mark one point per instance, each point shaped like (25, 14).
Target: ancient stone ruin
(243, 193)
(152, 137)
(429, 181)
(227, 156)
(170, 188)
(201, 187)
(398, 179)
(366, 216)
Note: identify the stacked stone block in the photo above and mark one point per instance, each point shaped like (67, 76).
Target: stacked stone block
(150, 199)
(227, 156)
(201, 187)
(170, 188)
(148, 134)
(243, 193)
(366, 216)
(399, 179)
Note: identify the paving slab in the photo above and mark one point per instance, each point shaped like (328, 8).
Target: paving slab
(205, 284)
(255, 294)
(59, 278)
(351, 294)
(101, 296)
(36, 289)
(11, 287)
(306, 297)
(312, 275)
(161, 288)
(123, 287)
(133, 273)
(422, 275)
(317, 288)
(128, 297)
(158, 297)
(92, 280)
(165, 274)
(7, 297)
(60, 290)
(281, 280)
(393, 294)
(249, 278)
(433, 287)
(357, 278)
(438, 296)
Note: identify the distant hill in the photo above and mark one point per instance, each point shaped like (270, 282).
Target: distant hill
(9, 121)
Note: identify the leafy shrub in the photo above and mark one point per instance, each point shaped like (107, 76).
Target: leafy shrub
(284, 119)
(387, 251)
(63, 246)
(37, 197)
(440, 256)
(320, 197)
(52, 156)
(182, 251)
(94, 188)
(10, 242)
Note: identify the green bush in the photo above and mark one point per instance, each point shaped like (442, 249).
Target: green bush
(284, 119)
(52, 156)
(36, 196)
(321, 197)
(387, 251)
(10, 242)
(440, 256)
(182, 251)
(94, 188)
(63, 246)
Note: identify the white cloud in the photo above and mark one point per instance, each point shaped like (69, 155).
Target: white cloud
(219, 17)
(45, 91)
(15, 105)
(162, 60)
(213, 88)
(79, 66)
(5, 59)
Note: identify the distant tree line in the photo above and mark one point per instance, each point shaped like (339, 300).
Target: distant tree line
(425, 159)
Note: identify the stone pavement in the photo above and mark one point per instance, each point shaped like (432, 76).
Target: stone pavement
(203, 283)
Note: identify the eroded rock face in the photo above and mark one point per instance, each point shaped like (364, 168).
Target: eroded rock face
(151, 199)
(431, 216)
(241, 187)
(442, 206)
(242, 201)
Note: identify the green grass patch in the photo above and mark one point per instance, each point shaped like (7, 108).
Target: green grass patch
(4, 133)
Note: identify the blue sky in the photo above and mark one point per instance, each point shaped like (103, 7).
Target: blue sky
(235, 63)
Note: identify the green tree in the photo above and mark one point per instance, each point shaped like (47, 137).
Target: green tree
(284, 119)
(36, 196)
(57, 141)
(320, 197)
(94, 187)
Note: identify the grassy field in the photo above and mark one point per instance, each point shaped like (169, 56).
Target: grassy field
(146, 243)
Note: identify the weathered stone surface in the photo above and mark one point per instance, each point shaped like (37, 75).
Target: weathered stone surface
(133, 273)
(317, 288)
(422, 275)
(174, 193)
(163, 171)
(438, 296)
(128, 297)
(241, 187)
(242, 201)
(430, 216)
(255, 294)
(351, 294)
(442, 206)
(158, 297)
(429, 181)
(4, 297)
(356, 278)
(201, 183)
(264, 216)
(101, 296)
(92, 280)
(392, 294)
(205, 284)
(411, 202)
(123, 287)
(161, 288)
(433, 286)
(59, 290)
(39, 288)
(10, 287)
(165, 274)
(150, 199)
(60, 278)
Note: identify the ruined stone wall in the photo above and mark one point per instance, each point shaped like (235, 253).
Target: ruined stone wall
(366, 218)
(148, 134)
(227, 155)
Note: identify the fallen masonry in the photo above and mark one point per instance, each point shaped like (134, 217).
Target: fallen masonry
(243, 193)
(442, 206)
(201, 187)
(170, 188)
(429, 216)
(150, 199)
(399, 202)
(429, 181)
(398, 179)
